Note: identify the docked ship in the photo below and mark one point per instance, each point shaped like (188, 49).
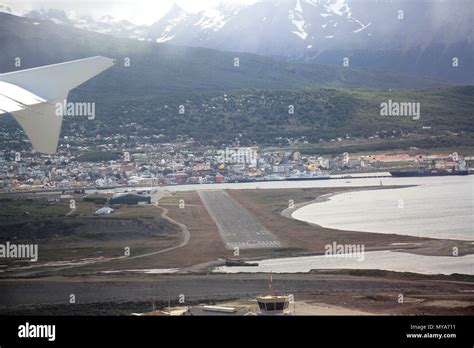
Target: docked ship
(428, 172)
(459, 169)
(239, 263)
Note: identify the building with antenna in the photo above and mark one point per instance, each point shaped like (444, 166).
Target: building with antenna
(274, 304)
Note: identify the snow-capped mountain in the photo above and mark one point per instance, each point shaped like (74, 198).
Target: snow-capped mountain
(104, 25)
(291, 27)
(266, 27)
(420, 37)
(395, 35)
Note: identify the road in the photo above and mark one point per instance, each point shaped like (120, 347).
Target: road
(125, 293)
(186, 236)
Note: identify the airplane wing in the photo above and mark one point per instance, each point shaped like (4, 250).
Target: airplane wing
(41, 125)
(31, 96)
(14, 98)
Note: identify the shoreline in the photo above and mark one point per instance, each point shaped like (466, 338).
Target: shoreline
(288, 213)
(373, 241)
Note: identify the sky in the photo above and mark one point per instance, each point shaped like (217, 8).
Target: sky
(142, 12)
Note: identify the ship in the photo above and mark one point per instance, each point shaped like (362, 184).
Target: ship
(425, 172)
(459, 169)
(239, 263)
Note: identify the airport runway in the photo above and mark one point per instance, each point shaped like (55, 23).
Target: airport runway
(237, 226)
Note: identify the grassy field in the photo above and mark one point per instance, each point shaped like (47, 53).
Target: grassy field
(66, 234)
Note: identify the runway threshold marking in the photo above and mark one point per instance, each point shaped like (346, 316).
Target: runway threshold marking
(237, 226)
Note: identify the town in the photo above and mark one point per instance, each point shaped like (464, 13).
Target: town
(186, 162)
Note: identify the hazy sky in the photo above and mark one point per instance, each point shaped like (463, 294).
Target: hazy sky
(136, 11)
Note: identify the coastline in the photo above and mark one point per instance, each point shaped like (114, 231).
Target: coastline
(373, 241)
(431, 212)
(288, 212)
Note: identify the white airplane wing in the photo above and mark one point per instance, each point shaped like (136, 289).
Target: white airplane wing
(31, 96)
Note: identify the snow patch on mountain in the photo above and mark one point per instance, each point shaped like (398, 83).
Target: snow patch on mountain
(166, 34)
(164, 38)
(297, 19)
(104, 25)
(212, 19)
(362, 27)
(298, 7)
(338, 7)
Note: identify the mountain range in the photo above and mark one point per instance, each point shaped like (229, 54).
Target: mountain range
(165, 68)
(412, 37)
(105, 24)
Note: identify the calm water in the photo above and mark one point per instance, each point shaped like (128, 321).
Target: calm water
(385, 260)
(438, 208)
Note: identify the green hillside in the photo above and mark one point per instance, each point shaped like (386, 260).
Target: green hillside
(263, 116)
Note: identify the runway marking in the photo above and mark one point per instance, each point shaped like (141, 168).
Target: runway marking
(237, 226)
